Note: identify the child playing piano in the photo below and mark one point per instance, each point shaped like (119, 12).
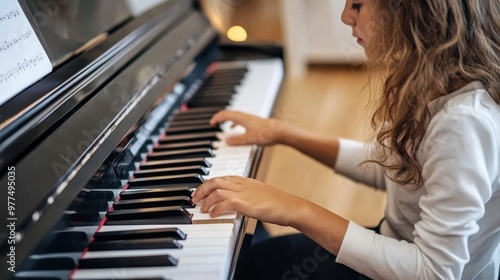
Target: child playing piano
(436, 152)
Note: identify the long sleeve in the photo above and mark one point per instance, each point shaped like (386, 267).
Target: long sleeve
(351, 155)
(450, 228)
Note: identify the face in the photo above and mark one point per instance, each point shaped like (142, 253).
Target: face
(357, 15)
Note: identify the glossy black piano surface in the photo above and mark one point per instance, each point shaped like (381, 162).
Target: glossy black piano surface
(108, 147)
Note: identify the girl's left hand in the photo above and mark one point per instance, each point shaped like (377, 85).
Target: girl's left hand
(249, 197)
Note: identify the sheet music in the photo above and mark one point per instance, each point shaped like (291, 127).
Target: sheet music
(23, 60)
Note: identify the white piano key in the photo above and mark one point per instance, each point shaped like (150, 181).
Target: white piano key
(176, 253)
(200, 271)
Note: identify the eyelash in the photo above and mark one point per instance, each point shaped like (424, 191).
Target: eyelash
(356, 6)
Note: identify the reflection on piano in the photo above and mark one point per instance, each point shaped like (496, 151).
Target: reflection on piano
(114, 141)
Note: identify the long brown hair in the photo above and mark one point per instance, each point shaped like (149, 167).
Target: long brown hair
(428, 48)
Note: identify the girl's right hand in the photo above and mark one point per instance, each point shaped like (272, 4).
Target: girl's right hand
(259, 131)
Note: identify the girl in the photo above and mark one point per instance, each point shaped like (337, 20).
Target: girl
(436, 152)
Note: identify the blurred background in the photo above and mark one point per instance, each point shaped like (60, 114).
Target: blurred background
(325, 90)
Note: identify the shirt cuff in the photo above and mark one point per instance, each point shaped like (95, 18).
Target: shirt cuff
(356, 247)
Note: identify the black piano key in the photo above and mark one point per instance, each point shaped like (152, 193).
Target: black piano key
(136, 244)
(183, 146)
(184, 123)
(211, 136)
(182, 201)
(204, 103)
(85, 217)
(140, 234)
(192, 129)
(221, 78)
(50, 263)
(97, 200)
(204, 116)
(175, 163)
(67, 241)
(122, 262)
(193, 111)
(165, 180)
(154, 193)
(171, 171)
(226, 91)
(146, 216)
(214, 94)
(178, 154)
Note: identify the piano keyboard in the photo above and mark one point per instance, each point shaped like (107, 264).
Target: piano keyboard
(154, 231)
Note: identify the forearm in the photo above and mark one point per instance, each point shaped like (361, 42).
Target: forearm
(324, 227)
(319, 147)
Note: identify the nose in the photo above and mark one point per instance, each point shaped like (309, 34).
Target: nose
(347, 16)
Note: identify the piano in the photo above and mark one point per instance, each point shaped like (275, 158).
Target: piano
(99, 157)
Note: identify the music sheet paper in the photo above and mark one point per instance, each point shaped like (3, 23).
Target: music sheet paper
(23, 60)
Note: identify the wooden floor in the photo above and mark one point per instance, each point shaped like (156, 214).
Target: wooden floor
(331, 100)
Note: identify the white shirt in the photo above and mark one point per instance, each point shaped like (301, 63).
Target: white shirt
(450, 227)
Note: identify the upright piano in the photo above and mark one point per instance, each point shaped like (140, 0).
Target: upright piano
(100, 155)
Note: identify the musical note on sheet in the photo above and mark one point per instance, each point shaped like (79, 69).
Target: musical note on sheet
(23, 58)
(9, 15)
(12, 43)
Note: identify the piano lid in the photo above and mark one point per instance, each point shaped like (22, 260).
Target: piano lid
(91, 102)
(57, 31)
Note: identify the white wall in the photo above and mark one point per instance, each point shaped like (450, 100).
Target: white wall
(314, 33)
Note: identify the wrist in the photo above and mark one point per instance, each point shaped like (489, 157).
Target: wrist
(286, 136)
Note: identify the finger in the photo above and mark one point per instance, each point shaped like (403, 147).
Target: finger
(221, 117)
(215, 197)
(211, 185)
(223, 207)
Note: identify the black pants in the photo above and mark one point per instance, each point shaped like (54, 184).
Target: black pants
(289, 257)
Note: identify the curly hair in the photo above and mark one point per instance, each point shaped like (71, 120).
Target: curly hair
(427, 49)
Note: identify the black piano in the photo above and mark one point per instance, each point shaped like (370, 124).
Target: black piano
(99, 157)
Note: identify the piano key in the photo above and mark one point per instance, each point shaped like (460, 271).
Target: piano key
(204, 218)
(188, 145)
(156, 215)
(195, 104)
(229, 88)
(184, 123)
(192, 129)
(180, 254)
(214, 94)
(131, 233)
(207, 248)
(212, 136)
(122, 262)
(199, 111)
(82, 218)
(50, 262)
(200, 271)
(43, 275)
(158, 192)
(136, 244)
(182, 201)
(178, 154)
(175, 163)
(191, 179)
(74, 241)
(170, 171)
(189, 117)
